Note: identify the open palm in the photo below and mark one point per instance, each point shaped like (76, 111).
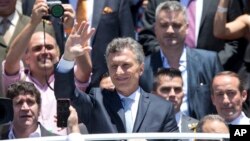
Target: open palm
(77, 42)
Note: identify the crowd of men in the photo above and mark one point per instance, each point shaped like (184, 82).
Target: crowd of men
(186, 67)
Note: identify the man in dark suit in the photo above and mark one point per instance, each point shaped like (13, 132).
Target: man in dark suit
(104, 111)
(26, 101)
(229, 53)
(111, 19)
(168, 84)
(197, 66)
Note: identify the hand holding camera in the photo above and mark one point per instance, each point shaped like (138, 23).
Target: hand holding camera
(63, 11)
(55, 8)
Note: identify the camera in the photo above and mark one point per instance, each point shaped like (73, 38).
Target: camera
(6, 110)
(55, 8)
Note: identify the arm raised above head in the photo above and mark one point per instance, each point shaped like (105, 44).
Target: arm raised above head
(20, 44)
(229, 30)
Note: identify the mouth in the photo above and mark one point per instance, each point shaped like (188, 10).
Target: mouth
(25, 116)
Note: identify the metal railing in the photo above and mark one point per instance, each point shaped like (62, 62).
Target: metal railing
(134, 136)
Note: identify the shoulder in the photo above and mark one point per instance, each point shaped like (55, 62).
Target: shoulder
(4, 130)
(155, 100)
(190, 119)
(24, 18)
(45, 132)
(201, 53)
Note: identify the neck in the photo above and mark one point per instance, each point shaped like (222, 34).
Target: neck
(173, 56)
(42, 76)
(24, 132)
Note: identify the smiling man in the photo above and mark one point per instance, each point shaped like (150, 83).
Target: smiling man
(39, 52)
(127, 108)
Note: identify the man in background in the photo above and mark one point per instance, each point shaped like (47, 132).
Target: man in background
(168, 84)
(228, 96)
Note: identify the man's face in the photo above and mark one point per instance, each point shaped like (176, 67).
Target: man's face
(171, 89)
(7, 7)
(170, 28)
(124, 70)
(39, 56)
(26, 111)
(227, 98)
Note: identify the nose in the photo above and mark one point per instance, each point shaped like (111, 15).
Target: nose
(170, 29)
(171, 93)
(25, 106)
(44, 49)
(119, 70)
(226, 99)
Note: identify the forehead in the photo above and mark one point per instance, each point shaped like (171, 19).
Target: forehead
(125, 55)
(38, 39)
(170, 16)
(225, 81)
(24, 96)
(163, 79)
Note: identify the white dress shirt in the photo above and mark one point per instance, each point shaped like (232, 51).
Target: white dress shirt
(241, 120)
(36, 133)
(134, 107)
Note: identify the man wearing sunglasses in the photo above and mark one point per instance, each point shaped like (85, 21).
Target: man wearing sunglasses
(168, 84)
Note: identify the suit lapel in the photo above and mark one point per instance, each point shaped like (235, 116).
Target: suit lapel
(156, 61)
(97, 13)
(45, 132)
(117, 112)
(2, 42)
(142, 110)
(19, 27)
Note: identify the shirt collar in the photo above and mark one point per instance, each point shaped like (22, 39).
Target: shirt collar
(135, 95)
(36, 133)
(182, 61)
(13, 18)
(50, 80)
(242, 119)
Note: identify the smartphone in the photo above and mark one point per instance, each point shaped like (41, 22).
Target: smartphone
(62, 112)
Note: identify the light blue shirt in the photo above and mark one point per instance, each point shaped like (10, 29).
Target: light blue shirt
(183, 69)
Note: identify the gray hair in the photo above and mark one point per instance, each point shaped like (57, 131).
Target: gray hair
(171, 6)
(119, 44)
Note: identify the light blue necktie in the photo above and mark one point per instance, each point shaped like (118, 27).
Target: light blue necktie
(127, 102)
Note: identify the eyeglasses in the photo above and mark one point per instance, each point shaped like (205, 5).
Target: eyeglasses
(168, 89)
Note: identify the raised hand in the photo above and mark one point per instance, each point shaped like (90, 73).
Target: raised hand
(39, 10)
(68, 16)
(77, 42)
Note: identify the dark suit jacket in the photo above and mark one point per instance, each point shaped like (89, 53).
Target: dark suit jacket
(206, 40)
(4, 132)
(118, 23)
(101, 110)
(186, 122)
(202, 66)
